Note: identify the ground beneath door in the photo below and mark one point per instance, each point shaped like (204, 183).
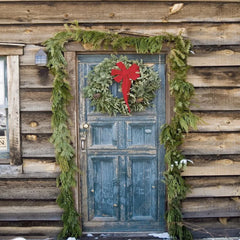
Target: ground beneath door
(119, 237)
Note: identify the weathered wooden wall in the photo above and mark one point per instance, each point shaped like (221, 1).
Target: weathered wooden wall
(27, 200)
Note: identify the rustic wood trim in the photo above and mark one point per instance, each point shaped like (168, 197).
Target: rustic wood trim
(122, 1)
(25, 189)
(169, 99)
(211, 143)
(216, 99)
(36, 122)
(213, 167)
(218, 186)
(30, 176)
(33, 77)
(10, 50)
(14, 109)
(212, 228)
(197, 33)
(20, 210)
(214, 76)
(116, 12)
(5, 161)
(36, 166)
(72, 70)
(32, 230)
(6, 170)
(12, 44)
(211, 207)
(88, 49)
(218, 121)
(223, 57)
(36, 100)
(37, 146)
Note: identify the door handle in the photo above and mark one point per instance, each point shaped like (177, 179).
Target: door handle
(83, 143)
(85, 125)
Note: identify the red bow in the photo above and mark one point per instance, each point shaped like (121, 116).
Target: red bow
(126, 75)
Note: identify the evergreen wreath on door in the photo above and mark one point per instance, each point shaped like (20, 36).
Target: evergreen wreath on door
(137, 82)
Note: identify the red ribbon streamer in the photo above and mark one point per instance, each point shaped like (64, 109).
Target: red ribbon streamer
(126, 75)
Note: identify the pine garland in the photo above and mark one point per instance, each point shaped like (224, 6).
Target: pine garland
(172, 134)
(172, 137)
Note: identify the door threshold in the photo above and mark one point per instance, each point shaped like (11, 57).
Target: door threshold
(125, 235)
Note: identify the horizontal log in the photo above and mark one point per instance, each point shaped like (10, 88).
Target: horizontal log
(28, 189)
(213, 228)
(11, 50)
(211, 207)
(121, 0)
(35, 100)
(214, 77)
(198, 34)
(10, 170)
(40, 166)
(206, 58)
(48, 231)
(34, 146)
(36, 122)
(120, 12)
(5, 161)
(218, 121)
(39, 175)
(35, 77)
(213, 187)
(203, 57)
(211, 143)
(216, 99)
(203, 166)
(29, 210)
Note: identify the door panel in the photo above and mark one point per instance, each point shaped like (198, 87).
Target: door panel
(122, 163)
(104, 188)
(142, 175)
(141, 134)
(103, 135)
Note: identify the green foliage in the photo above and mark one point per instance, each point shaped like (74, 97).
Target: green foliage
(172, 137)
(172, 134)
(61, 137)
(100, 80)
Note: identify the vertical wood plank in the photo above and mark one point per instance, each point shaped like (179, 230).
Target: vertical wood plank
(73, 114)
(14, 109)
(169, 99)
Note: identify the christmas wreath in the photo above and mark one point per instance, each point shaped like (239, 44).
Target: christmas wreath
(137, 82)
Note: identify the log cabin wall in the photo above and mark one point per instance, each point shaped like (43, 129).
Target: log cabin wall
(27, 199)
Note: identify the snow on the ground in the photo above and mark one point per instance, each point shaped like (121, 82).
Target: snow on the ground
(160, 235)
(89, 235)
(19, 238)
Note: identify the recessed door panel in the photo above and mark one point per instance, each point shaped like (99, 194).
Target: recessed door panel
(103, 188)
(142, 181)
(141, 134)
(103, 135)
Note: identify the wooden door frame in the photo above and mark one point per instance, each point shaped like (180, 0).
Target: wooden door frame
(71, 56)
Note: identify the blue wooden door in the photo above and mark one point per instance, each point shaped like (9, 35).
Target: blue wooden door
(121, 160)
